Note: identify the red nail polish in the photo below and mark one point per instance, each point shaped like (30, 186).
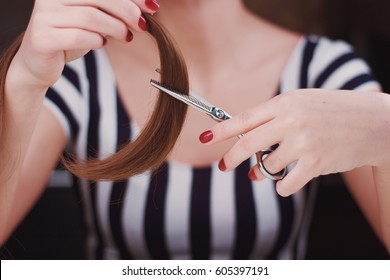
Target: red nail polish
(129, 36)
(143, 24)
(152, 4)
(221, 165)
(206, 136)
(252, 175)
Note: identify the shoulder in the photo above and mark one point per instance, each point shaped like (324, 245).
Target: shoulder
(331, 64)
(323, 43)
(89, 68)
(325, 51)
(318, 51)
(84, 75)
(77, 91)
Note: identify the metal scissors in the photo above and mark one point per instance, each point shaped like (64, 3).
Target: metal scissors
(219, 115)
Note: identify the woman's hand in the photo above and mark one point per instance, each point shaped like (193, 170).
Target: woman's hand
(64, 30)
(321, 131)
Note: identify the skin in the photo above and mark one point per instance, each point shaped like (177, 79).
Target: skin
(58, 31)
(35, 138)
(323, 132)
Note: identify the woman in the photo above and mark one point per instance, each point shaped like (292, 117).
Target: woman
(100, 100)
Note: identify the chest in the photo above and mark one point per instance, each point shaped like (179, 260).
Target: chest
(235, 94)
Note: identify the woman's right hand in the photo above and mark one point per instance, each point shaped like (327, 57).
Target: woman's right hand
(63, 30)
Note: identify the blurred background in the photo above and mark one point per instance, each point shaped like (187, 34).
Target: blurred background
(53, 229)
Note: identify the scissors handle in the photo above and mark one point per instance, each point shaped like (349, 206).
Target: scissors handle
(260, 156)
(273, 176)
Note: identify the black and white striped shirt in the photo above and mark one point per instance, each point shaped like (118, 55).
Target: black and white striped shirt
(183, 212)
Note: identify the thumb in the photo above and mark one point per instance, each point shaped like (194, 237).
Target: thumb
(75, 54)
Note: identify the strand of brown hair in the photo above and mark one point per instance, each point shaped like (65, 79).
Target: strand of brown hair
(6, 58)
(157, 138)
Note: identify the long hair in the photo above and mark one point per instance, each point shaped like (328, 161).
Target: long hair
(5, 62)
(157, 138)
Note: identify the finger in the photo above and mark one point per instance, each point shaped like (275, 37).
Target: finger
(256, 140)
(255, 174)
(278, 159)
(243, 122)
(73, 39)
(274, 162)
(297, 178)
(93, 20)
(75, 54)
(125, 10)
(148, 6)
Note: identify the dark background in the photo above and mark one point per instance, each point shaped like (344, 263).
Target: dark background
(53, 229)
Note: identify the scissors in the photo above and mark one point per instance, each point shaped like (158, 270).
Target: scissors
(219, 115)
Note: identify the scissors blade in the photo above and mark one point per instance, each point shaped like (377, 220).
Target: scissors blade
(187, 99)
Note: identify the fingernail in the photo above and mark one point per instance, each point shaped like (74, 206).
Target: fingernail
(143, 24)
(252, 175)
(152, 4)
(206, 136)
(129, 36)
(221, 165)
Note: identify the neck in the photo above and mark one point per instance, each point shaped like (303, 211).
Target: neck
(200, 19)
(204, 30)
(202, 26)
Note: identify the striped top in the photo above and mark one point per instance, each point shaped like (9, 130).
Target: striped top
(183, 212)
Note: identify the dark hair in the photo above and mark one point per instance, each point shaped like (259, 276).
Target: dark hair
(159, 135)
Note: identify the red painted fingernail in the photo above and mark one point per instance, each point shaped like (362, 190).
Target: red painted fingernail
(129, 36)
(152, 4)
(252, 175)
(206, 136)
(221, 165)
(143, 24)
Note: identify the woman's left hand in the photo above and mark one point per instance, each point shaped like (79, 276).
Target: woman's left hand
(322, 131)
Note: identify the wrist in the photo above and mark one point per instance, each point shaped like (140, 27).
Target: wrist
(19, 79)
(14, 74)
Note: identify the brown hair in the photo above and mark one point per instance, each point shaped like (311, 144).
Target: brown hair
(159, 135)
(5, 62)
